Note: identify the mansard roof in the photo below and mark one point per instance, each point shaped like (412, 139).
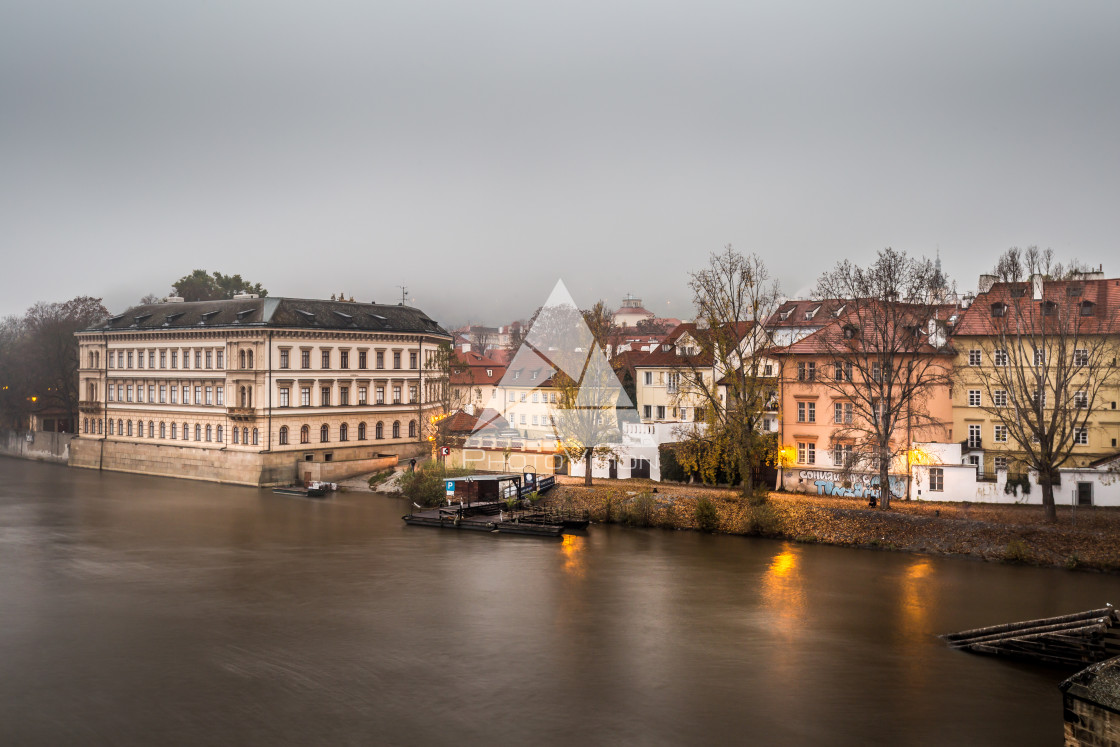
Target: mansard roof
(274, 312)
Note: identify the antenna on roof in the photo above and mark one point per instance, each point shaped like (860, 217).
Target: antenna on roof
(404, 293)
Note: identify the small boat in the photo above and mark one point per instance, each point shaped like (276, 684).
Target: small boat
(312, 492)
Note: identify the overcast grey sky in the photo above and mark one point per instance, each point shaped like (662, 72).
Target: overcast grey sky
(477, 152)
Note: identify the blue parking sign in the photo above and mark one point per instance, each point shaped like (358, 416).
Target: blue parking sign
(450, 486)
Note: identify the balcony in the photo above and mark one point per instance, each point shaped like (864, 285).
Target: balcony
(972, 443)
(244, 414)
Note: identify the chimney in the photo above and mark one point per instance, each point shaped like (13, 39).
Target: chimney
(986, 283)
(1036, 287)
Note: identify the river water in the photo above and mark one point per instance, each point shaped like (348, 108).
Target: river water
(140, 611)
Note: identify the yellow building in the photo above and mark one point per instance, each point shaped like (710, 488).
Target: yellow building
(245, 390)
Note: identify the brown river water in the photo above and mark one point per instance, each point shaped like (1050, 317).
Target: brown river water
(147, 611)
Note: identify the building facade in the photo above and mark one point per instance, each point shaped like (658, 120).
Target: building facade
(244, 390)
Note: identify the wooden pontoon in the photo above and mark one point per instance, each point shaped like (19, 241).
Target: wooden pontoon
(1068, 640)
(478, 503)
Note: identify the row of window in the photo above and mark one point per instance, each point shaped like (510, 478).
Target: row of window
(999, 398)
(212, 433)
(1000, 435)
(203, 358)
(647, 412)
(1000, 357)
(326, 392)
(166, 394)
(344, 432)
(326, 358)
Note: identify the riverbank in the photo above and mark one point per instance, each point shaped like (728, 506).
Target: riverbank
(993, 532)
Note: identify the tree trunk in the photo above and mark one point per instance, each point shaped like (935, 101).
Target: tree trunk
(884, 478)
(1048, 496)
(587, 453)
(746, 476)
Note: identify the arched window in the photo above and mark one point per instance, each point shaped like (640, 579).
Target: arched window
(110, 427)
(99, 425)
(379, 430)
(396, 429)
(197, 432)
(283, 435)
(129, 425)
(244, 398)
(324, 433)
(174, 431)
(412, 429)
(256, 437)
(236, 435)
(219, 435)
(151, 429)
(250, 359)
(186, 432)
(245, 435)
(162, 429)
(241, 358)
(209, 433)
(305, 435)
(361, 431)
(85, 422)
(343, 432)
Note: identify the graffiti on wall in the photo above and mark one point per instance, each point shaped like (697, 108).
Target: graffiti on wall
(857, 486)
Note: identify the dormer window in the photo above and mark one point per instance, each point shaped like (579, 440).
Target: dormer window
(999, 310)
(1048, 308)
(309, 316)
(812, 313)
(517, 374)
(1088, 308)
(849, 332)
(1018, 291)
(1073, 290)
(786, 314)
(836, 314)
(489, 372)
(534, 376)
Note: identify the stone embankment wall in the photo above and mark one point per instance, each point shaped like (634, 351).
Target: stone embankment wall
(1091, 706)
(262, 469)
(43, 446)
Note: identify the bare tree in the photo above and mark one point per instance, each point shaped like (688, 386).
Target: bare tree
(1053, 348)
(724, 374)
(439, 367)
(886, 355)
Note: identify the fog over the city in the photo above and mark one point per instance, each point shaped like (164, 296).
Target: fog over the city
(478, 152)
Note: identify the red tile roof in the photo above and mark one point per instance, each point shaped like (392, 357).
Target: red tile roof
(1103, 294)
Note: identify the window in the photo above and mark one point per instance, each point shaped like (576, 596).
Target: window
(163, 359)
(649, 378)
(221, 400)
(1081, 436)
(198, 359)
(174, 430)
(305, 435)
(361, 431)
(305, 359)
(221, 359)
(841, 455)
(256, 436)
(801, 412)
(973, 397)
(807, 371)
(660, 412)
(130, 366)
(325, 396)
(174, 358)
(876, 371)
(999, 357)
(1039, 357)
(647, 411)
(379, 430)
(1081, 357)
(397, 429)
(139, 392)
(324, 433)
(197, 432)
(1038, 399)
(1048, 308)
(837, 412)
(999, 434)
(362, 359)
(344, 359)
(140, 363)
(305, 396)
(936, 479)
(209, 395)
(344, 432)
(209, 358)
(522, 420)
(974, 436)
(284, 358)
(362, 395)
(174, 393)
(163, 429)
(974, 357)
(283, 435)
(380, 359)
(806, 452)
(843, 372)
(998, 310)
(1000, 463)
(198, 395)
(1080, 400)
(111, 398)
(151, 429)
(344, 395)
(412, 429)
(812, 412)
(397, 359)
(396, 395)
(284, 391)
(412, 359)
(209, 433)
(129, 424)
(413, 393)
(999, 398)
(379, 395)
(1087, 308)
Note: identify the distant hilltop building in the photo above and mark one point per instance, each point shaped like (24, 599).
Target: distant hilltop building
(631, 312)
(256, 391)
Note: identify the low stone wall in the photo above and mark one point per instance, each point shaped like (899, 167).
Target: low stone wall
(43, 446)
(1091, 706)
(336, 471)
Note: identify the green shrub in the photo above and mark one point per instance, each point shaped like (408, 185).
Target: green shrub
(761, 520)
(706, 514)
(667, 518)
(425, 485)
(639, 511)
(1017, 552)
(671, 468)
(379, 477)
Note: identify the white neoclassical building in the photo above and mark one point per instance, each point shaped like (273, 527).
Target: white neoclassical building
(257, 391)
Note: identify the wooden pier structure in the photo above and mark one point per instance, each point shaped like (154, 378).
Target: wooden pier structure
(1075, 640)
(482, 503)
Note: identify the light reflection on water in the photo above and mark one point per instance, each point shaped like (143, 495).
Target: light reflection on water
(144, 611)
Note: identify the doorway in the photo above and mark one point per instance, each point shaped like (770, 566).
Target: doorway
(1084, 494)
